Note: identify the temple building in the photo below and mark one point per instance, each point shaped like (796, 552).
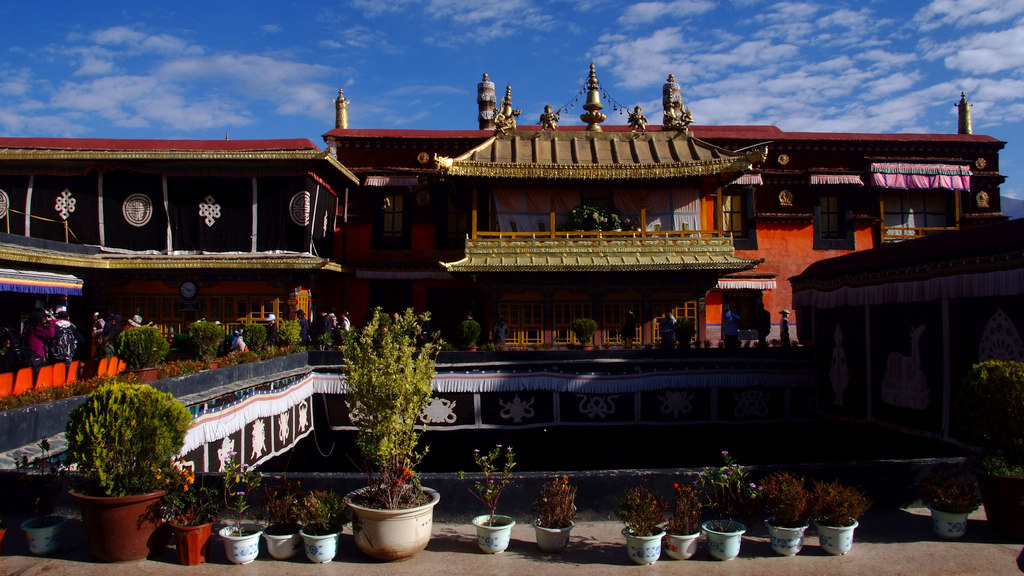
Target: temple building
(548, 222)
(538, 221)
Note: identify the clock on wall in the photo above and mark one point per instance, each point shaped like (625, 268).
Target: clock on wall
(188, 290)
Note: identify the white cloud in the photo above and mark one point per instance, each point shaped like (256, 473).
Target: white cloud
(988, 53)
(961, 13)
(650, 12)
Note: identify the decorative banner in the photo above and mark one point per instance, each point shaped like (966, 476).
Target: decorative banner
(70, 200)
(211, 214)
(134, 217)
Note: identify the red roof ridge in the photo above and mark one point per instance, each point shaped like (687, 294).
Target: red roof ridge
(119, 145)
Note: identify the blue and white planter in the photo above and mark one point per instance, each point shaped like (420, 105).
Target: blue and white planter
(241, 548)
(493, 538)
(949, 525)
(836, 540)
(320, 548)
(724, 538)
(785, 541)
(643, 549)
(43, 533)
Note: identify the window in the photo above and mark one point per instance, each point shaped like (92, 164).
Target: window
(833, 229)
(564, 314)
(912, 213)
(738, 216)
(525, 321)
(455, 227)
(732, 215)
(390, 227)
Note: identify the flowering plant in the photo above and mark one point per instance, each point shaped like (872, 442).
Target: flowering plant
(686, 510)
(641, 511)
(555, 506)
(496, 466)
(186, 504)
(728, 490)
(239, 481)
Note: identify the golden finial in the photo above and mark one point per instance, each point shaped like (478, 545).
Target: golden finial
(227, 136)
(964, 115)
(341, 110)
(593, 116)
(505, 117)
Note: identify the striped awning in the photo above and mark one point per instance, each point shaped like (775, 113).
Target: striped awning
(32, 282)
(904, 176)
(746, 284)
(836, 179)
(748, 180)
(391, 181)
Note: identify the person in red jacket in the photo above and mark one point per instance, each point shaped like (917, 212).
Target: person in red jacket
(38, 331)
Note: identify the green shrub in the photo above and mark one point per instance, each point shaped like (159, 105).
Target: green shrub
(288, 333)
(255, 336)
(989, 409)
(124, 436)
(142, 347)
(584, 329)
(203, 340)
(835, 504)
(469, 333)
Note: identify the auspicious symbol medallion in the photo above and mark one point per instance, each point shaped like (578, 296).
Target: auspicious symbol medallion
(298, 208)
(65, 204)
(137, 209)
(209, 210)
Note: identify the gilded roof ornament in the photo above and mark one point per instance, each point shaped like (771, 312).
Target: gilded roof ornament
(637, 120)
(677, 116)
(549, 119)
(505, 117)
(593, 117)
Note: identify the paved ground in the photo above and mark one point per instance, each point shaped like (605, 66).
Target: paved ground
(888, 542)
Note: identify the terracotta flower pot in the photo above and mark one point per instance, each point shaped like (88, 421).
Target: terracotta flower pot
(122, 529)
(192, 543)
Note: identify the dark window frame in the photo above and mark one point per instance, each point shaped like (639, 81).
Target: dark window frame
(844, 238)
(399, 241)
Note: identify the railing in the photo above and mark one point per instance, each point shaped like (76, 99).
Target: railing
(600, 234)
(900, 233)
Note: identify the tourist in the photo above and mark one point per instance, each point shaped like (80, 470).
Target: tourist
(731, 323)
(667, 328)
(784, 328)
(500, 331)
(38, 331)
(300, 317)
(271, 330)
(629, 328)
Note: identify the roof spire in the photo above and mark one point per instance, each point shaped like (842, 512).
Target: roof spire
(341, 110)
(485, 101)
(964, 114)
(593, 117)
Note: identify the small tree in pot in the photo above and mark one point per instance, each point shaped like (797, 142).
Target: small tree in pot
(835, 509)
(951, 495)
(584, 329)
(203, 340)
(142, 348)
(683, 526)
(469, 333)
(555, 510)
(642, 512)
(785, 502)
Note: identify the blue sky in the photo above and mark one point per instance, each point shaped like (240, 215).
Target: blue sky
(187, 69)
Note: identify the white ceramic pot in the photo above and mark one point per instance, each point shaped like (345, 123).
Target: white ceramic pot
(282, 546)
(785, 541)
(949, 525)
(680, 546)
(836, 540)
(320, 548)
(392, 534)
(43, 533)
(643, 549)
(552, 539)
(724, 538)
(241, 548)
(493, 539)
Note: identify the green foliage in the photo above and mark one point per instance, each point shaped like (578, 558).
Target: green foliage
(834, 504)
(288, 333)
(185, 503)
(282, 507)
(951, 491)
(255, 336)
(641, 511)
(555, 506)
(497, 467)
(469, 333)
(686, 511)
(142, 347)
(323, 512)
(203, 340)
(586, 217)
(727, 489)
(785, 498)
(178, 368)
(584, 329)
(389, 385)
(989, 409)
(123, 438)
(239, 482)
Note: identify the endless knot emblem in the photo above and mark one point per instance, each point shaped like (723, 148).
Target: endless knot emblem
(751, 403)
(137, 209)
(298, 208)
(65, 204)
(439, 411)
(5, 204)
(210, 210)
(516, 409)
(597, 406)
(676, 402)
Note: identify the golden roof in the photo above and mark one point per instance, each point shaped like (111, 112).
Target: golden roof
(599, 255)
(591, 155)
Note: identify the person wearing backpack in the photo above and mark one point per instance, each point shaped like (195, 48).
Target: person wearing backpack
(66, 338)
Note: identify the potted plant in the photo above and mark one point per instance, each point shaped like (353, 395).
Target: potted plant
(122, 439)
(584, 329)
(989, 411)
(191, 510)
(951, 495)
(785, 500)
(492, 530)
(43, 478)
(142, 349)
(204, 339)
(255, 336)
(281, 512)
(389, 385)
(685, 331)
(587, 218)
(683, 528)
(729, 493)
(288, 333)
(642, 512)
(835, 509)
(469, 333)
(241, 541)
(323, 516)
(555, 510)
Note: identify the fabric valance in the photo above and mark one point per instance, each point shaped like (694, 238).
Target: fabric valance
(748, 180)
(746, 284)
(836, 179)
(904, 176)
(391, 181)
(32, 282)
